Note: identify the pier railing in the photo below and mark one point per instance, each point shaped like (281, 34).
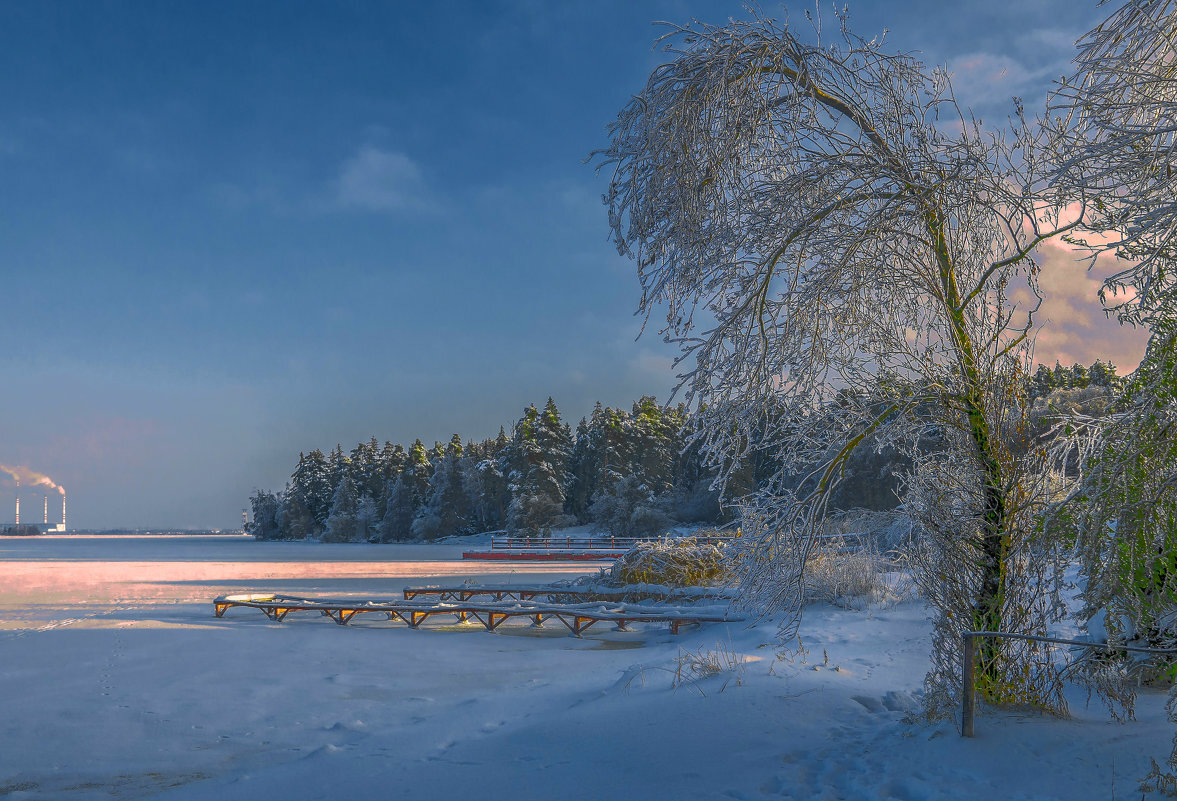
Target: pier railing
(515, 543)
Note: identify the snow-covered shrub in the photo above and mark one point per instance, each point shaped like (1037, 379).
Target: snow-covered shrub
(845, 575)
(672, 563)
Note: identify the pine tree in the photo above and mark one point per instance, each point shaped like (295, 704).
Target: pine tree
(1043, 382)
(1103, 374)
(341, 523)
(310, 496)
(296, 521)
(555, 444)
(400, 509)
(368, 519)
(581, 474)
(1062, 376)
(417, 472)
(338, 466)
(444, 512)
(365, 469)
(652, 445)
(609, 429)
(537, 495)
(392, 461)
(265, 506)
(486, 489)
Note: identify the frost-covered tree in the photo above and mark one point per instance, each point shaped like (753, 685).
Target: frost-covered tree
(365, 469)
(1121, 101)
(399, 510)
(417, 472)
(392, 461)
(338, 466)
(484, 468)
(816, 218)
(368, 519)
(610, 437)
(554, 439)
(1103, 374)
(265, 507)
(630, 508)
(341, 524)
(653, 445)
(445, 509)
(537, 472)
(308, 501)
(1127, 505)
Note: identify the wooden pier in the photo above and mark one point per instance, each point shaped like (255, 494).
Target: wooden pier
(576, 617)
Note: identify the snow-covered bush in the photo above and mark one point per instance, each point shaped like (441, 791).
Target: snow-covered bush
(672, 563)
(845, 573)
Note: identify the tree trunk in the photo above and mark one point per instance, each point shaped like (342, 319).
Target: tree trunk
(994, 537)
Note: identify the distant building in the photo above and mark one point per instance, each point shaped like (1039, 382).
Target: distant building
(30, 529)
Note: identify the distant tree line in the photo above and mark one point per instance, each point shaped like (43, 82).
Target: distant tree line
(630, 472)
(1099, 374)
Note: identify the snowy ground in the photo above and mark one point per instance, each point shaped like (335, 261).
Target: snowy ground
(118, 681)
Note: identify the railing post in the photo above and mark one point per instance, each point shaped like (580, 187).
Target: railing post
(968, 694)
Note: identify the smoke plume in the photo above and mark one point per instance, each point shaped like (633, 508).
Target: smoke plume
(30, 478)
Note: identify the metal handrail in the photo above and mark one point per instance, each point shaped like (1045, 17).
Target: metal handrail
(968, 692)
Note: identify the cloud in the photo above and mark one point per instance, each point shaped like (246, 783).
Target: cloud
(1074, 326)
(381, 181)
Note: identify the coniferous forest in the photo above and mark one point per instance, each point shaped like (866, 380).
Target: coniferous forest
(631, 473)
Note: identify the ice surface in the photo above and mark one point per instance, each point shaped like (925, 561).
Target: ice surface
(118, 681)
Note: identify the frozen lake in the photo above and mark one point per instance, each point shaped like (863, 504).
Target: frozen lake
(43, 578)
(119, 682)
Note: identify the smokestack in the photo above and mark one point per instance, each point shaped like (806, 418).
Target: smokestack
(18, 501)
(46, 510)
(62, 489)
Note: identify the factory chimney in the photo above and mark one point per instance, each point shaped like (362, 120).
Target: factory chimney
(18, 501)
(46, 509)
(62, 507)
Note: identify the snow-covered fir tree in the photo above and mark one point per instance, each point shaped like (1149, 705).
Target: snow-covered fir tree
(537, 491)
(399, 510)
(580, 480)
(345, 505)
(445, 509)
(265, 507)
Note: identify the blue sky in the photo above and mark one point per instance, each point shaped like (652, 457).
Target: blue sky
(233, 231)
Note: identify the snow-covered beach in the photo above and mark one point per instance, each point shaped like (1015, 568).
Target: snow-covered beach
(120, 682)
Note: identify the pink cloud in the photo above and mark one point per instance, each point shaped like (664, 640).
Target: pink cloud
(1074, 327)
